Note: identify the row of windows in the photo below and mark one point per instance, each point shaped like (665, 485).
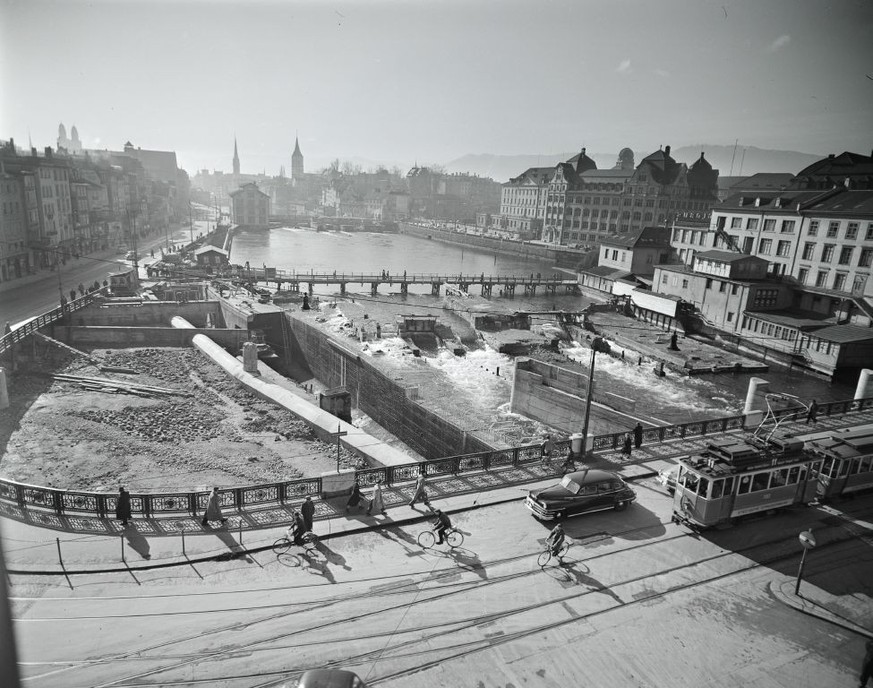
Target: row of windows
(754, 482)
(789, 226)
(838, 282)
(13, 208)
(833, 229)
(769, 329)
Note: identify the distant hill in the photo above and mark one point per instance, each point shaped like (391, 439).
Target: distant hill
(502, 167)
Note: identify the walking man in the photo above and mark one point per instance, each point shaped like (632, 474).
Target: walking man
(419, 493)
(213, 509)
(638, 435)
(122, 508)
(376, 503)
(308, 512)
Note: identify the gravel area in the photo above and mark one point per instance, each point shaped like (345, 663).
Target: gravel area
(210, 432)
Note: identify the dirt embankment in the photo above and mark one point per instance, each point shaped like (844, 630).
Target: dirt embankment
(210, 432)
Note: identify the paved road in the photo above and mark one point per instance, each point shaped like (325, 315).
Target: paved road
(39, 293)
(639, 602)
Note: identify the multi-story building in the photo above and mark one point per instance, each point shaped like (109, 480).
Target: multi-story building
(627, 261)
(584, 204)
(250, 206)
(522, 203)
(14, 256)
(456, 197)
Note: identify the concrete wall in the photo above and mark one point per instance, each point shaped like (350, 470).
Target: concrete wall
(150, 313)
(378, 396)
(557, 396)
(121, 337)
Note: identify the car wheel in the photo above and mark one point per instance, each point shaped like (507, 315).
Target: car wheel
(620, 506)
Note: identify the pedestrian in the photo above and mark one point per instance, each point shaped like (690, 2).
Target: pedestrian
(867, 665)
(308, 512)
(812, 412)
(546, 449)
(638, 435)
(376, 503)
(122, 507)
(626, 445)
(419, 493)
(213, 509)
(355, 498)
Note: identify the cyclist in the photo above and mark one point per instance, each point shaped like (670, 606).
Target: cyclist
(297, 529)
(569, 464)
(441, 524)
(555, 540)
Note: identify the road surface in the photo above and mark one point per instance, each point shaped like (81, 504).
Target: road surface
(638, 602)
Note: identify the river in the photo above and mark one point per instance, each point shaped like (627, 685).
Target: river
(675, 398)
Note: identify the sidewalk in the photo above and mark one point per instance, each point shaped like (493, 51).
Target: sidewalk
(814, 601)
(32, 549)
(32, 538)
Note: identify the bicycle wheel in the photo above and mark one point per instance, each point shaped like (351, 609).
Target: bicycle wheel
(544, 557)
(426, 539)
(454, 538)
(282, 545)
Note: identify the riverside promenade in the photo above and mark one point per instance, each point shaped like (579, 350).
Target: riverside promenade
(40, 542)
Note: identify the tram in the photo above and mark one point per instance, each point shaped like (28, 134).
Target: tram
(735, 477)
(847, 461)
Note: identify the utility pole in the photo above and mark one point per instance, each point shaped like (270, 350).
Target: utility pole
(190, 222)
(597, 344)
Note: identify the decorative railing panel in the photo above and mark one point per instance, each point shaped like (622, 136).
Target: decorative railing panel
(194, 503)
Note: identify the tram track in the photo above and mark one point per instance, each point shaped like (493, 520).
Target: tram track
(431, 631)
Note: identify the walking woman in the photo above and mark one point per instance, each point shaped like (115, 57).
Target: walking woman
(122, 507)
(376, 503)
(213, 509)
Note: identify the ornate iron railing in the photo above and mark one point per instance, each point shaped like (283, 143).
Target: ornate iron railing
(77, 502)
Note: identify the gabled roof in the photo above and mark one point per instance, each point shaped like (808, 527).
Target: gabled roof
(843, 334)
(611, 174)
(210, 249)
(539, 176)
(248, 186)
(647, 237)
(763, 181)
(840, 165)
(848, 201)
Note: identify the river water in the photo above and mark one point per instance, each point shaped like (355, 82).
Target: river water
(675, 399)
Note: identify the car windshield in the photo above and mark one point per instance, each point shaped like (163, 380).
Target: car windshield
(569, 484)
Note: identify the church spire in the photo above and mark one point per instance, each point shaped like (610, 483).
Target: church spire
(296, 161)
(235, 158)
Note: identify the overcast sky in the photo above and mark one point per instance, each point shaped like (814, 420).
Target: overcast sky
(431, 80)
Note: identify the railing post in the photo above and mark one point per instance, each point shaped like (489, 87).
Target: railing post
(58, 502)
(281, 492)
(192, 503)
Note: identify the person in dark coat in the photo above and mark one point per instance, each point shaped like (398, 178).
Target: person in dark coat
(307, 510)
(867, 665)
(626, 445)
(355, 498)
(638, 435)
(122, 508)
(812, 413)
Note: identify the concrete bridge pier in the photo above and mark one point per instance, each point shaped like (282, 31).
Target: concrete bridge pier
(530, 289)
(310, 287)
(486, 289)
(342, 288)
(435, 288)
(464, 287)
(550, 289)
(404, 288)
(374, 289)
(509, 289)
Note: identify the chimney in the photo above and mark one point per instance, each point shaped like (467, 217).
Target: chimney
(778, 202)
(666, 150)
(758, 202)
(12, 145)
(33, 151)
(48, 151)
(830, 156)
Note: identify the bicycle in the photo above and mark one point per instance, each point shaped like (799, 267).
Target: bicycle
(546, 555)
(453, 538)
(308, 541)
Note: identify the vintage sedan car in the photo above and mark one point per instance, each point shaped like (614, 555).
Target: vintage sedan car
(323, 678)
(580, 492)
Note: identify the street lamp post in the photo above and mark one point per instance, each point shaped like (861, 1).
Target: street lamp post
(598, 344)
(807, 540)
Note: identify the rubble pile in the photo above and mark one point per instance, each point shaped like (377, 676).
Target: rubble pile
(167, 422)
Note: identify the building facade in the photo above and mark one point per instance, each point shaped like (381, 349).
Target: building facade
(250, 206)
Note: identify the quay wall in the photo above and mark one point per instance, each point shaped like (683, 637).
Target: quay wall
(562, 256)
(121, 337)
(148, 313)
(378, 395)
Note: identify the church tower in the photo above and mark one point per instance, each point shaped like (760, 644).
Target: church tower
(235, 159)
(296, 162)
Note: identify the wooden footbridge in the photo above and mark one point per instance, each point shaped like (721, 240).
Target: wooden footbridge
(506, 284)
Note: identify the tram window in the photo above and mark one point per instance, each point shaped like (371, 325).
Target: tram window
(717, 489)
(728, 485)
(866, 465)
(760, 481)
(792, 474)
(779, 478)
(745, 484)
(828, 467)
(703, 489)
(856, 467)
(844, 468)
(691, 481)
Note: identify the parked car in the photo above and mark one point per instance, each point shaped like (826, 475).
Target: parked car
(580, 492)
(667, 477)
